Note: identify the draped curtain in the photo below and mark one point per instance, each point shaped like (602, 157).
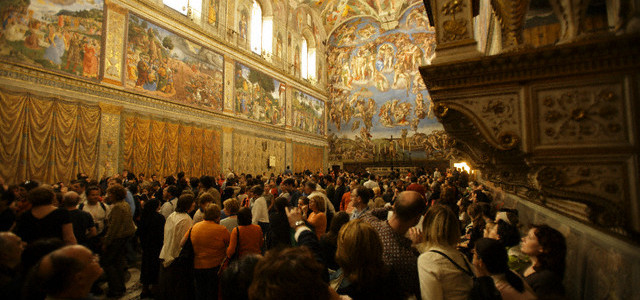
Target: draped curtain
(46, 139)
(156, 146)
(306, 157)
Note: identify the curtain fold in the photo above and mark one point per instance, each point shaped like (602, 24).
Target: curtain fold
(46, 139)
(141, 149)
(185, 148)
(171, 149)
(12, 142)
(196, 152)
(157, 140)
(128, 143)
(88, 134)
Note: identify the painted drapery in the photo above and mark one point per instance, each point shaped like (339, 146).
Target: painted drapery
(307, 157)
(46, 139)
(156, 146)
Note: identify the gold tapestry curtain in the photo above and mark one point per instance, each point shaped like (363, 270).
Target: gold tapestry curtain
(306, 157)
(156, 146)
(46, 139)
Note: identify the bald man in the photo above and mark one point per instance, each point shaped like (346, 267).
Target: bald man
(69, 272)
(11, 247)
(397, 251)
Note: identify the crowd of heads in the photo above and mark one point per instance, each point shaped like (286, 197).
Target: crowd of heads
(451, 211)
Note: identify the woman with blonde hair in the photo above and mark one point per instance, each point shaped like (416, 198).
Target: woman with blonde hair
(317, 218)
(444, 272)
(362, 273)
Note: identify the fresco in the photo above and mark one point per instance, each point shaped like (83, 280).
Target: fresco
(63, 36)
(161, 63)
(376, 90)
(259, 97)
(307, 113)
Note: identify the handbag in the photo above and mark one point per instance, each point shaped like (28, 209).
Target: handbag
(186, 256)
(483, 287)
(228, 260)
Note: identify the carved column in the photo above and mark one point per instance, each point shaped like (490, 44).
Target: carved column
(454, 30)
(227, 150)
(108, 156)
(229, 84)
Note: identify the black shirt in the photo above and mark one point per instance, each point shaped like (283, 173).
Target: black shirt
(30, 228)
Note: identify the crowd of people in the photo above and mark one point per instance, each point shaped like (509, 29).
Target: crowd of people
(421, 235)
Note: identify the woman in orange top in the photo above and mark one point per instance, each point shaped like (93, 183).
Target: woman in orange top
(210, 241)
(250, 236)
(317, 217)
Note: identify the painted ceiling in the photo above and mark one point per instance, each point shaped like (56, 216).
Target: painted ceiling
(335, 12)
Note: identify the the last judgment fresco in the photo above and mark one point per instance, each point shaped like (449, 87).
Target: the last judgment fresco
(376, 89)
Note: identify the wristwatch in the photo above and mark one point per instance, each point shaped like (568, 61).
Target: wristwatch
(298, 223)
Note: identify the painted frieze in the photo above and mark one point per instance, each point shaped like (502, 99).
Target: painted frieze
(259, 97)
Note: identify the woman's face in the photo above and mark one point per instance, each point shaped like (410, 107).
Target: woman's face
(313, 205)
(530, 245)
(300, 203)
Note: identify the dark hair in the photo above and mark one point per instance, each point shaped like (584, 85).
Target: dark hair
(194, 181)
(257, 189)
(93, 188)
(481, 197)
(184, 203)
(554, 249)
(289, 181)
(291, 273)
(150, 206)
(339, 219)
(494, 256)
(509, 234)
(170, 180)
(174, 191)
(34, 251)
(372, 176)
(280, 204)
(238, 275)
(227, 193)
(244, 216)
(133, 188)
(40, 196)
(117, 192)
(310, 184)
(364, 193)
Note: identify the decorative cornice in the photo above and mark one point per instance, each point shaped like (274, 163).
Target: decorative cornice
(110, 108)
(583, 58)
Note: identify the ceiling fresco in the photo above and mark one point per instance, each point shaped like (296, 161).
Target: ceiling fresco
(335, 12)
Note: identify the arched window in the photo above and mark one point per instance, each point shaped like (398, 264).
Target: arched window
(307, 60)
(189, 8)
(256, 28)
(303, 58)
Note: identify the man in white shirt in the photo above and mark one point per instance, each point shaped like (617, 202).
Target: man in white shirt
(170, 195)
(259, 210)
(99, 212)
(371, 183)
(436, 174)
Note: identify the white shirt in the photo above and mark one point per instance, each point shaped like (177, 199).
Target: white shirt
(370, 184)
(440, 279)
(98, 213)
(260, 211)
(175, 228)
(198, 216)
(168, 207)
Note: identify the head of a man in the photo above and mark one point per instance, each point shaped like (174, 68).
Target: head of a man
(11, 248)
(70, 200)
(93, 194)
(409, 207)
(360, 196)
(69, 272)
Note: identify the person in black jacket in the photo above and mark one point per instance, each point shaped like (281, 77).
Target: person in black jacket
(151, 232)
(279, 229)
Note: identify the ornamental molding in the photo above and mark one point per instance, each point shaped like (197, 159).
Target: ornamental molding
(583, 58)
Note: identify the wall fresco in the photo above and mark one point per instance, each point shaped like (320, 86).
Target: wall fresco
(307, 113)
(376, 90)
(63, 36)
(259, 97)
(161, 63)
(307, 157)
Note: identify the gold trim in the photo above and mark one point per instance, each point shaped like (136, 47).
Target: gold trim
(110, 108)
